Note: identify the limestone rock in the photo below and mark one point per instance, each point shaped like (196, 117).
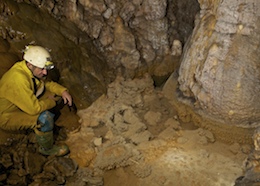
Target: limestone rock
(168, 134)
(124, 43)
(219, 72)
(152, 118)
(114, 156)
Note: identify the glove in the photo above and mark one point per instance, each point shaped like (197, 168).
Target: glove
(46, 121)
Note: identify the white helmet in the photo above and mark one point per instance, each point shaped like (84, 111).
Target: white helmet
(38, 56)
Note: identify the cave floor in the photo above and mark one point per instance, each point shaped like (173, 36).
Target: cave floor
(192, 159)
(188, 155)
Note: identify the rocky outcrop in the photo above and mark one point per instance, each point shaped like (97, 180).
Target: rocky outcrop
(219, 72)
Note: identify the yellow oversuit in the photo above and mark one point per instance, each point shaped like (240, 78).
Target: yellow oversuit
(19, 105)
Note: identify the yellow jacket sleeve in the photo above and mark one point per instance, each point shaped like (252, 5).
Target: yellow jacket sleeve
(19, 91)
(54, 87)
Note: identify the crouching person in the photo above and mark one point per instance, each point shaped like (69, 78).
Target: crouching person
(26, 99)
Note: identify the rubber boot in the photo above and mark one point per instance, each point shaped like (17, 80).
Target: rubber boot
(46, 147)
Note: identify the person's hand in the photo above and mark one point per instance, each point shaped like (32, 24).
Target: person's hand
(66, 98)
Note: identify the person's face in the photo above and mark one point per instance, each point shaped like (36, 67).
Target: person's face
(37, 72)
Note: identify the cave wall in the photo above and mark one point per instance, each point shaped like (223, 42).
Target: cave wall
(135, 36)
(219, 72)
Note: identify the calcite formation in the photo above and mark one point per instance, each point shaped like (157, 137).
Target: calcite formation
(219, 72)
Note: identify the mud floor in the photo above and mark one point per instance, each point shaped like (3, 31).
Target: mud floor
(133, 135)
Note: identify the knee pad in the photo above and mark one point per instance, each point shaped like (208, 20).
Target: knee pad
(46, 120)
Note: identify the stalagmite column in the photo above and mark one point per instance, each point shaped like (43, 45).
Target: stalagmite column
(220, 68)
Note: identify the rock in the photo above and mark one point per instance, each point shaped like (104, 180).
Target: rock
(176, 49)
(202, 77)
(134, 129)
(209, 135)
(109, 135)
(107, 14)
(130, 116)
(141, 137)
(182, 140)
(15, 179)
(173, 123)
(33, 165)
(6, 160)
(168, 134)
(141, 170)
(96, 6)
(57, 170)
(235, 148)
(127, 11)
(246, 149)
(154, 9)
(97, 142)
(66, 166)
(152, 118)
(203, 140)
(83, 155)
(106, 36)
(124, 43)
(251, 178)
(204, 153)
(114, 156)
